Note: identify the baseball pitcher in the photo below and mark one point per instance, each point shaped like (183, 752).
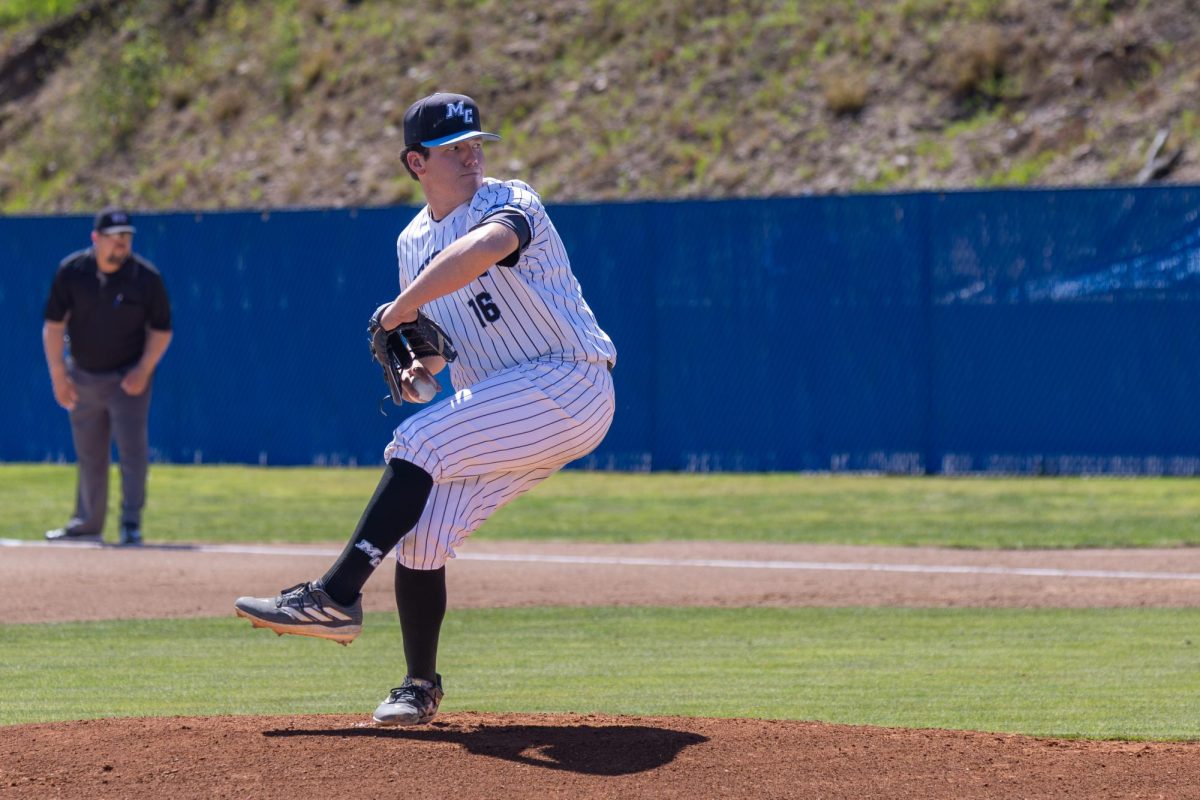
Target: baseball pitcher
(486, 288)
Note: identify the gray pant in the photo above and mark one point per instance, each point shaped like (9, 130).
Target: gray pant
(104, 413)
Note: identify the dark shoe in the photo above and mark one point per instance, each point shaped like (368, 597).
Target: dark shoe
(304, 610)
(68, 535)
(414, 703)
(131, 535)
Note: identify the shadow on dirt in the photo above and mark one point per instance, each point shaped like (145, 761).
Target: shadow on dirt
(587, 749)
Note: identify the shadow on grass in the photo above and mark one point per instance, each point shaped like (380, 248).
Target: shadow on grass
(587, 749)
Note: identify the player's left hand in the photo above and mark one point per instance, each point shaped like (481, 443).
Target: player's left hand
(135, 382)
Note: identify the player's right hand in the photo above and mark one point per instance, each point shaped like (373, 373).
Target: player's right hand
(64, 392)
(418, 385)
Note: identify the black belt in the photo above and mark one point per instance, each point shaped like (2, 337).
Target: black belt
(610, 366)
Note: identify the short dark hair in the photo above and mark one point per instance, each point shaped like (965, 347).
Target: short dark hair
(420, 150)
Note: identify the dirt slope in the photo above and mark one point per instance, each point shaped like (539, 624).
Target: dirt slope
(571, 756)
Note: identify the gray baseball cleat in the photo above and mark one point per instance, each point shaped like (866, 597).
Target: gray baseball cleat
(69, 535)
(413, 703)
(304, 610)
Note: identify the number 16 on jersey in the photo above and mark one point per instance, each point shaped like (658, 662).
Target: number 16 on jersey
(485, 310)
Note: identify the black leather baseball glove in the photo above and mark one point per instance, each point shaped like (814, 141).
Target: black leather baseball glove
(396, 349)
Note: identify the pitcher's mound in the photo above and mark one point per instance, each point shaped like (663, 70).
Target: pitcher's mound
(467, 755)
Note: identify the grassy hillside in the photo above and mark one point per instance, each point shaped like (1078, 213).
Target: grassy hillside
(237, 104)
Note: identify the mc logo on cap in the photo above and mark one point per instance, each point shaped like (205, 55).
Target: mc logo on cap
(443, 118)
(114, 220)
(461, 110)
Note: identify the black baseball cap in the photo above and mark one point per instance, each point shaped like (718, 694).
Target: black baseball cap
(114, 220)
(443, 118)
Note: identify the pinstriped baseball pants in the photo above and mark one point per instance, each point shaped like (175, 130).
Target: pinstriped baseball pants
(495, 440)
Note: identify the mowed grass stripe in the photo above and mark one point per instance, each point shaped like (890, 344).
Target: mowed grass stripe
(1104, 673)
(304, 505)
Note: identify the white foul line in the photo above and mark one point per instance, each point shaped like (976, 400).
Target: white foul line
(719, 563)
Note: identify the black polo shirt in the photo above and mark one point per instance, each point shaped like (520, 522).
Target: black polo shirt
(108, 313)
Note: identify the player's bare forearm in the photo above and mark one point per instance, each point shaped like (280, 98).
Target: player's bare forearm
(54, 346)
(455, 267)
(156, 345)
(138, 378)
(52, 342)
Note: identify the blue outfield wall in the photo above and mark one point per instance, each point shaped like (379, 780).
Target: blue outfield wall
(1049, 332)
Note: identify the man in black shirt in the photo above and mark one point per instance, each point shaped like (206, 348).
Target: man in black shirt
(112, 306)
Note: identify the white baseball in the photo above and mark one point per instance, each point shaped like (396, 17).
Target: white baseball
(425, 388)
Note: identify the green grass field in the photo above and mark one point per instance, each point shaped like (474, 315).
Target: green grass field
(234, 504)
(1104, 673)
(1123, 673)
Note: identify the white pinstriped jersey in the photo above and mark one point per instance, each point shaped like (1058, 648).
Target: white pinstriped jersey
(532, 311)
(532, 387)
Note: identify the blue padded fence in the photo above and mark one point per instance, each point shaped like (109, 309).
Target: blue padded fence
(1014, 331)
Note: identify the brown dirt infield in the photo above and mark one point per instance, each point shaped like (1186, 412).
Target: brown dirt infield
(478, 755)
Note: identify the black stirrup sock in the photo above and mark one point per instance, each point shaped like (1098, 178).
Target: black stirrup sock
(421, 601)
(393, 511)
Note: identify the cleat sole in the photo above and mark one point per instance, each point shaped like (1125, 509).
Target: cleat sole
(343, 638)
